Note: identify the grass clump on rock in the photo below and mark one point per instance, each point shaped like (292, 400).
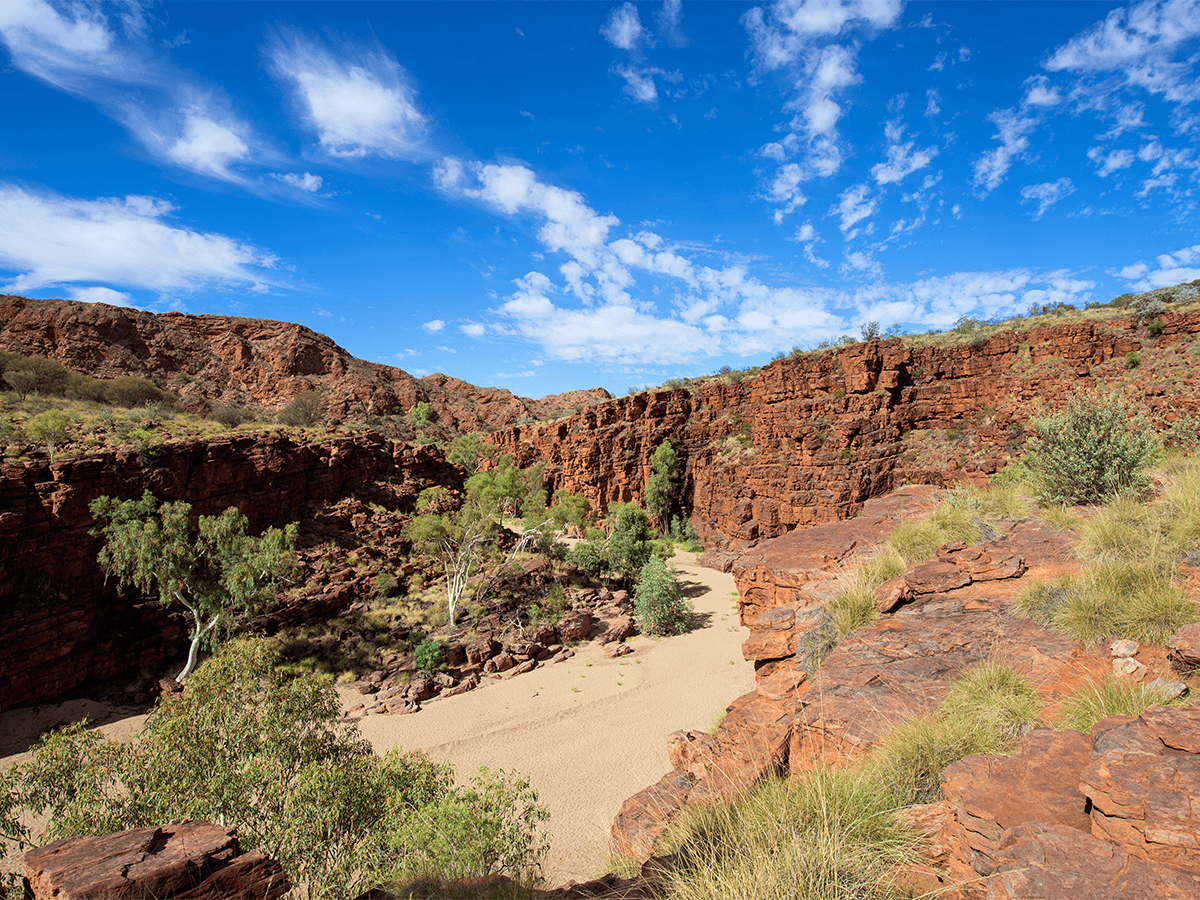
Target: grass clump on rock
(833, 834)
(1112, 697)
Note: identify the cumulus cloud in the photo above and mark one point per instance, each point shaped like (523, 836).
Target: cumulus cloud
(98, 294)
(48, 240)
(1047, 194)
(623, 28)
(473, 329)
(1167, 269)
(639, 81)
(854, 204)
(433, 326)
(1039, 92)
(357, 100)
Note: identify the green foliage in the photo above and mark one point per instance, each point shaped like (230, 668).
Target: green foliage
(430, 656)
(1155, 328)
(129, 391)
(459, 538)
(684, 532)
(468, 451)
(302, 410)
(510, 489)
(630, 542)
(660, 486)
(1093, 450)
(954, 520)
(1133, 359)
(870, 331)
(266, 754)
(51, 428)
(1112, 697)
(589, 556)
(658, 604)
(421, 415)
(212, 565)
(569, 509)
(385, 583)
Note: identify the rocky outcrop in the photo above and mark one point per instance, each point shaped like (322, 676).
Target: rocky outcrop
(810, 440)
(238, 361)
(61, 625)
(184, 861)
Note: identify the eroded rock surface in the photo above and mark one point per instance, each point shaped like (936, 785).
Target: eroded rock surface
(185, 861)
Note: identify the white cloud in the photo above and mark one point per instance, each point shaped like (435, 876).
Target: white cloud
(207, 145)
(1170, 268)
(933, 104)
(359, 101)
(76, 48)
(807, 235)
(817, 44)
(1012, 131)
(902, 160)
(1039, 92)
(101, 295)
(670, 23)
(433, 326)
(623, 29)
(1112, 161)
(53, 240)
(853, 206)
(859, 263)
(1046, 194)
(639, 81)
(473, 329)
(305, 181)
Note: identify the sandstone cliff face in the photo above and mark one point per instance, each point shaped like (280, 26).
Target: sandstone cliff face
(810, 440)
(207, 359)
(61, 625)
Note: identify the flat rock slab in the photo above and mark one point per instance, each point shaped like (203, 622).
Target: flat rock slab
(988, 794)
(1056, 862)
(187, 861)
(1144, 784)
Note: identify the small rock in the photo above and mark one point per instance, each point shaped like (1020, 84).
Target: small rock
(170, 686)
(443, 679)
(1184, 648)
(527, 666)
(891, 594)
(1127, 666)
(1171, 690)
(1124, 648)
(366, 687)
(612, 651)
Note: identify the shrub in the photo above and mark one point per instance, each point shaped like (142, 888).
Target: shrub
(429, 657)
(385, 583)
(589, 556)
(421, 415)
(248, 747)
(1155, 328)
(303, 410)
(51, 427)
(229, 416)
(658, 604)
(1133, 359)
(1093, 450)
(129, 391)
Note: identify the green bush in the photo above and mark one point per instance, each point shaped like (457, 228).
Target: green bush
(421, 415)
(1093, 450)
(658, 603)
(248, 747)
(1133, 359)
(303, 410)
(430, 656)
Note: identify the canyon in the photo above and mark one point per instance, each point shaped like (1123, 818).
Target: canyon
(789, 476)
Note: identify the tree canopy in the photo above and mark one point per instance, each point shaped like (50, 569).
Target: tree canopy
(211, 565)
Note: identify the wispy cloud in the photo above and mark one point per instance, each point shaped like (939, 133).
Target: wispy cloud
(358, 100)
(302, 181)
(1047, 194)
(1012, 131)
(670, 23)
(110, 62)
(50, 240)
(902, 158)
(817, 45)
(101, 295)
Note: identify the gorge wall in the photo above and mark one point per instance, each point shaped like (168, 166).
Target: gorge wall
(809, 440)
(62, 626)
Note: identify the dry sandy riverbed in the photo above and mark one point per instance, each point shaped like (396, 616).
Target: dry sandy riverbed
(588, 732)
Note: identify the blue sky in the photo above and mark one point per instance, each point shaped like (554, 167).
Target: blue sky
(547, 196)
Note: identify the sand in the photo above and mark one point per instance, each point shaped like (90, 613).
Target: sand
(587, 732)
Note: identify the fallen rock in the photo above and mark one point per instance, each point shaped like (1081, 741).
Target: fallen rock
(185, 861)
(936, 577)
(891, 594)
(618, 629)
(1123, 648)
(1127, 667)
(612, 651)
(1144, 781)
(480, 651)
(501, 662)
(1039, 861)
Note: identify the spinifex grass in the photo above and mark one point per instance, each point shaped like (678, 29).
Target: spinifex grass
(1112, 697)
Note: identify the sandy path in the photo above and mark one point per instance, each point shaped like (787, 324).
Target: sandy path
(590, 731)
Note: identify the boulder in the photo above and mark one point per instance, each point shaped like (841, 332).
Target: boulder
(618, 629)
(690, 752)
(185, 861)
(481, 650)
(644, 817)
(501, 662)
